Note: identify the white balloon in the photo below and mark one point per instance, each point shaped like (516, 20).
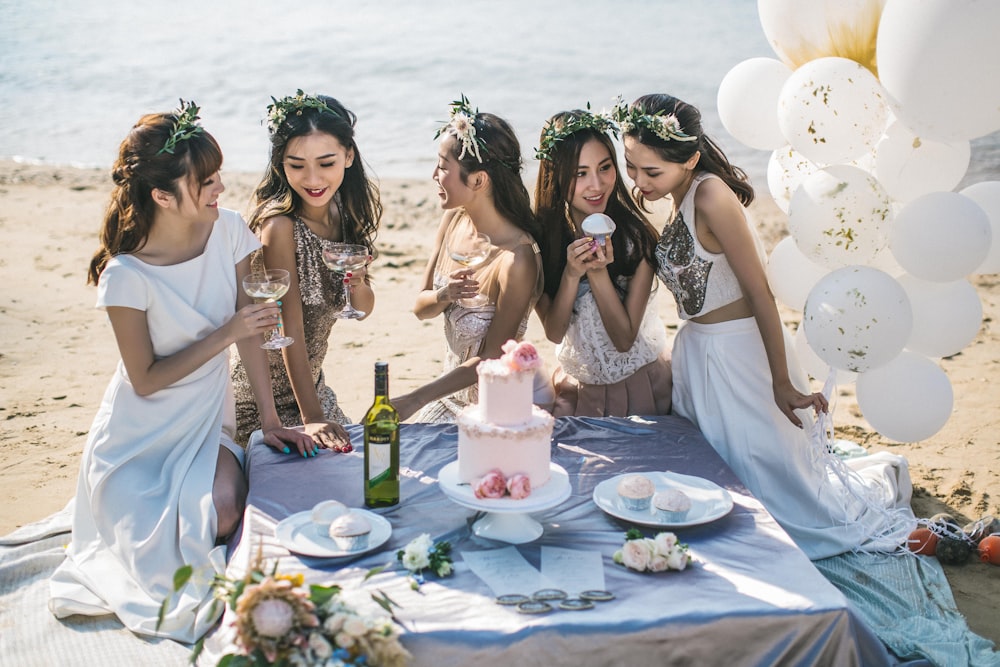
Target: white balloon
(748, 102)
(946, 316)
(987, 195)
(803, 31)
(840, 216)
(815, 367)
(908, 399)
(939, 61)
(786, 170)
(832, 110)
(791, 274)
(941, 236)
(857, 318)
(908, 166)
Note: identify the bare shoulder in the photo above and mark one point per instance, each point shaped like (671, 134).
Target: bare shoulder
(716, 201)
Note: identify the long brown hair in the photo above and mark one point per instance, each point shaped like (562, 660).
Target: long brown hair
(634, 238)
(712, 159)
(141, 167)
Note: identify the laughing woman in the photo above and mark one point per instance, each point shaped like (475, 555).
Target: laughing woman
(478, 174)
(161, 480)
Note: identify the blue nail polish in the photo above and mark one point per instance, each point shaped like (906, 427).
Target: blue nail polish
(279, 303)
(287, 450)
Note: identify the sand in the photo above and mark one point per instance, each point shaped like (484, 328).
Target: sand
(60, 353)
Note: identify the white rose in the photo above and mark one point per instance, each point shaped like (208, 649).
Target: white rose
(355, 626)
(677, 558)
(415, 561)
(319, 646)
(659, 563)
(334, 623)
(636, 554)
(665, 543)
(344, 640)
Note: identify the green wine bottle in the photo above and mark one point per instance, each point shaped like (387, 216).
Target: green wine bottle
(381, 445)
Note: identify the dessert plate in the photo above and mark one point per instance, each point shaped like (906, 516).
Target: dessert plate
(709, 501)
(300, 535)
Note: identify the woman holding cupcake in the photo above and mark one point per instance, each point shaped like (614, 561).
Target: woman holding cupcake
(600, 282)
(486, 300)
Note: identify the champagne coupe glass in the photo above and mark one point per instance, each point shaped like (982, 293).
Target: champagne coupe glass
(346, 258)
(470, 249)
(270, 285)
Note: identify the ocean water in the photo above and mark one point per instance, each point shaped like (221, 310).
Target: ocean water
(74, 76)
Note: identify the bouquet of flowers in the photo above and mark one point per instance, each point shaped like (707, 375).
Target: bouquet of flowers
(421, 554)
(656, 554)
(280, 621)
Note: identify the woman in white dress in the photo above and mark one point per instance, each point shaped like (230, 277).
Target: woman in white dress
(597, 305)
(478, 174)
(732, 351)
(161, 481)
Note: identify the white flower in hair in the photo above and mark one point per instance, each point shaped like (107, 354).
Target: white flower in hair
(463, 123)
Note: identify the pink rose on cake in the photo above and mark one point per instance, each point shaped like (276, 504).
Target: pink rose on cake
(494, 485)
(491, 485)
(519, 486)
(521, 356)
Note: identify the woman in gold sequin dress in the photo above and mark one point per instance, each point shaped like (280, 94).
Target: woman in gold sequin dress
(315, 192)
(478, 174)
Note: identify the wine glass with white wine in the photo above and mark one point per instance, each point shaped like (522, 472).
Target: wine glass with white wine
(346, 258)
(470, 249)
(268, 286)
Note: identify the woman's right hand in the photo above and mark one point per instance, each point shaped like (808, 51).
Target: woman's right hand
(461, 285)
(579, 256)
(330, 435)
(254, 319)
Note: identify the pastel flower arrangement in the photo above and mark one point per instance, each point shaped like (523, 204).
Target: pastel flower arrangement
(280, 621)
(652, 554)
(665, 126)
(494, 485)
(423, 553)
(463, 123)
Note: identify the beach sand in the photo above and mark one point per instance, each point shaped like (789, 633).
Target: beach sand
(60, 353)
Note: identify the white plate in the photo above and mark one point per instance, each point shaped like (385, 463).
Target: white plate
(299, 534)
(709, 501)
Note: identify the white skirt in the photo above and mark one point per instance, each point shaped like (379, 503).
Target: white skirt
(722, 383)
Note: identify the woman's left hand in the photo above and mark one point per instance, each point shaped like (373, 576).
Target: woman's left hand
(357, 278)
(289, 440)
(789, 399)
(603, 255)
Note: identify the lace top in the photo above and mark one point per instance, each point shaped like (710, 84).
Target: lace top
(465, 328)
(701, 281)
(586, 351)
(322, 293)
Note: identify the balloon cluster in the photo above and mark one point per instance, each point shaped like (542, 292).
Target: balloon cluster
(868, 111)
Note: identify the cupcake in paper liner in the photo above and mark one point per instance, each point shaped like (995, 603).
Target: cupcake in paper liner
(324, 513)
(671, 505)
(350, 531)
(635, 492)
(598, 226)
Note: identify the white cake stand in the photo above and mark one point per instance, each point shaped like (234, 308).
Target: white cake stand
(507, 520)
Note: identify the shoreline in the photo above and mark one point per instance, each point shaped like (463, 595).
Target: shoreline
(53, 375)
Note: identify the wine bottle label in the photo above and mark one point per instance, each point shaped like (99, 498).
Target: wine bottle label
(379, 459)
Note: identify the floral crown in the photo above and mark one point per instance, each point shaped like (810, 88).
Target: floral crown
(574, 122)
(463, 121)
(665, 126)
(279, 110)
(185, 127)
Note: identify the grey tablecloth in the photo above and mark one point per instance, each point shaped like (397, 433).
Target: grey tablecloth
(751, 597)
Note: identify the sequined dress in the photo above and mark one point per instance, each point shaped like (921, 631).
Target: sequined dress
(722, 384)
(465, 330)
(322, 293)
